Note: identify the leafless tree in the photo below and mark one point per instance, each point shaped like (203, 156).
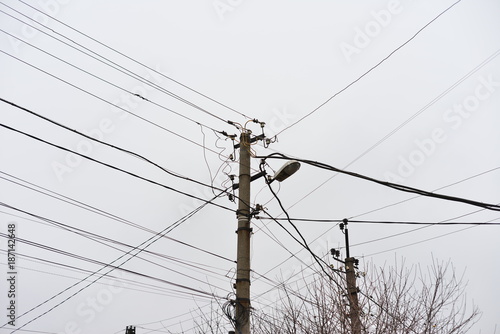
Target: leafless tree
(396, 300)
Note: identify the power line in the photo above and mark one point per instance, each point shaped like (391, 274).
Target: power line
(144, 245)
(417, 229)
(369, 70)
(103, 213)
(134, 75)
(339, 220)
(135, 61)
(110, 103)
(134, 154)
(153, 289)
(436, 237)
(440, 188)
(115, 168)
(104, 240)
(437, 98)
(399, 187)
(377, 221)
(112, 84)
(199, 293)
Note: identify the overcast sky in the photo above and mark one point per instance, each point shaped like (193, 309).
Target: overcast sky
(424, 113)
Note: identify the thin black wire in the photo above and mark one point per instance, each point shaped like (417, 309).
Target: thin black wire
(417, 229)
(103, 213)
(371, 69)
(106, 101)
(110, 83)
(130, 58)
(134, 75)
(96, 237)
(144, 245)
(199, 293)
(116, 168)
(399, 187)
(377, 221)
(436, 237)
(427, 106)
(154, 289)
(137, 155)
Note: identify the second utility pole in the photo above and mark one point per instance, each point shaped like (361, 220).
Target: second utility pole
(352, 289)
(244, 231)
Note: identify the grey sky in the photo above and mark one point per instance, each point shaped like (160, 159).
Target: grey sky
(275, 61)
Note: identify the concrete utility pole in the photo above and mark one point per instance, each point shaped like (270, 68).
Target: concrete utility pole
(244, 232)
(352, 289)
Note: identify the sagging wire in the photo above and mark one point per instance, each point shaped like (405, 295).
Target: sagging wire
(226, 164)
(206, 161)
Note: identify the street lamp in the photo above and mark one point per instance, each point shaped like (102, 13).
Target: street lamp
(286, 171)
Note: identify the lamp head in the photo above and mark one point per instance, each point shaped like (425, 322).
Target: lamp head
(287, 170)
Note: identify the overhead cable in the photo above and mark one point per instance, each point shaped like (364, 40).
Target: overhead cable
(399, 187)
(371, 69)
(132, 59)
(137, 155)
(145, 244)
(135, 76)
(117, 168)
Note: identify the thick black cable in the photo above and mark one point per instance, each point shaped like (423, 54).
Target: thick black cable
(137, 155)
(116, 168)
(399, 187)
(130, 58)
(440, 188)
(303, 243)
(371, 69)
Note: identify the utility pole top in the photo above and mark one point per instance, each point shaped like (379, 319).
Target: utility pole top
(130, 330)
